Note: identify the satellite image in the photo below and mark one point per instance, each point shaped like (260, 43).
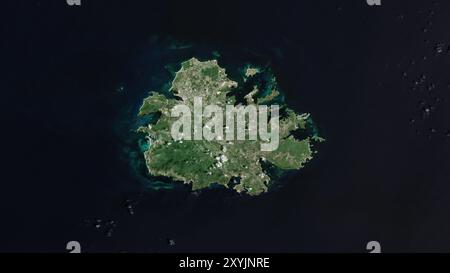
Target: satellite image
(252, 128)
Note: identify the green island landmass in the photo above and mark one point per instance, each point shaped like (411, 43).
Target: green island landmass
(203, 163)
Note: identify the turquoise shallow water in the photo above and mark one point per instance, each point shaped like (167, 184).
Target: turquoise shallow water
(177, 52)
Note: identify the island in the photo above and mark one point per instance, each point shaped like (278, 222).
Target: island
(235, 164)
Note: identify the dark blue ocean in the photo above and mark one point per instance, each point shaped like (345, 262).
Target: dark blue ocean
(75, 78)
